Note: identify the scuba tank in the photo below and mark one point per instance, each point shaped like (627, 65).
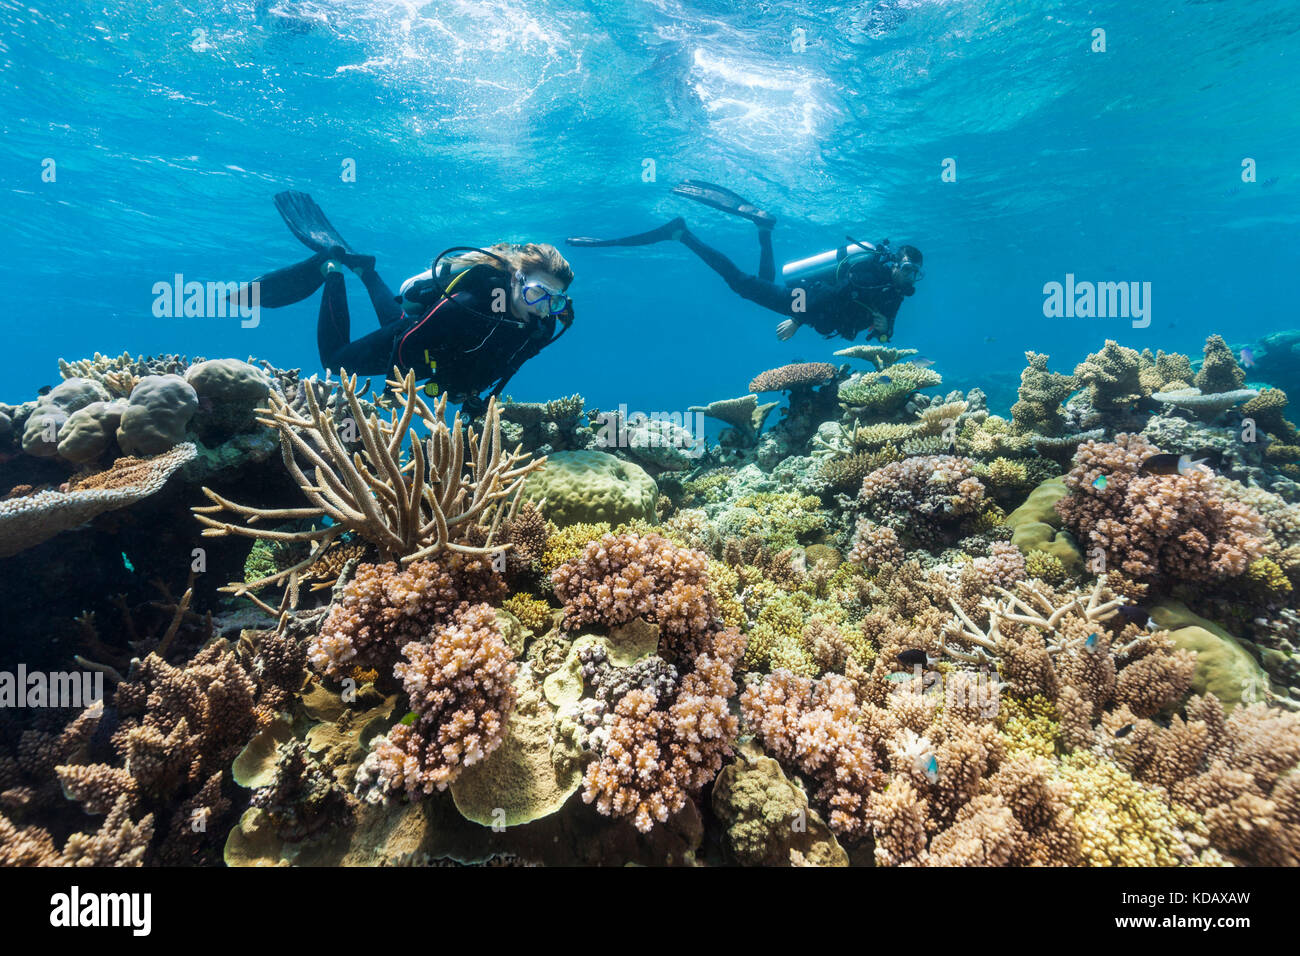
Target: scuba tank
(826, 267)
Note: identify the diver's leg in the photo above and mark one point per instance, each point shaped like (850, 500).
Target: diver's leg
(333, 324)
(368, 355)
(757, 290)
(381, 297)
(766, 259)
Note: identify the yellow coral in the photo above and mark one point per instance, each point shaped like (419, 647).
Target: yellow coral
(1120, 822)
(569, 542)
(1029, 725)
(1265, 575)
(532, 612)
(1047, 567)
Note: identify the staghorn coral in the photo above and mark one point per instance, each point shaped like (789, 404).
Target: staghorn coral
(460, 683)
(408, 508)
(1157, 526)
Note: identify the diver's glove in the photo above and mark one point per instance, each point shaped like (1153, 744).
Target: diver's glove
(786, 330)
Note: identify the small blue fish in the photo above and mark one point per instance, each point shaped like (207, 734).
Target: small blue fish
(126, 563)
(1100, 483)
(1247, 358)
(932, 769)
(1091, 643)
(885, 379)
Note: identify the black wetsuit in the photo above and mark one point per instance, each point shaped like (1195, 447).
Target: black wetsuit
(471, 349)
(836, 308)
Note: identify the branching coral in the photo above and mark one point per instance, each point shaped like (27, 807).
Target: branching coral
(923, 498)
(620, 577)
(1177, 526)
(407, 507)
(384, 607)
(1038, 409)
(460, 682)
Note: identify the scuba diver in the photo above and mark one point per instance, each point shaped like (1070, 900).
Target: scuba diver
(471, 320)
(857, 287)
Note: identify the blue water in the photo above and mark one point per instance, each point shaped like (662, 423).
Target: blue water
(171, 126)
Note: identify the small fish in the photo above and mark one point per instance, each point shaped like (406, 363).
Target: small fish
(1124, 731)
(1169, 464)
(912, 657)
(885, 379)
(410, 718)
(126, 563)
(1247, 358)
(44, 390)
(921, 361)
(101, 741)
(989, 340)
(1135, 614)
(1090, 644)
(1100, 483)
(932, 769)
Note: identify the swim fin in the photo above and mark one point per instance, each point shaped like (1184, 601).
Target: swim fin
(288, 285)
(307, 221)
(719, 197)
(669, 230)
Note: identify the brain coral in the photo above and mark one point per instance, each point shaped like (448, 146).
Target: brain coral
(591, 487)
(1151, 526)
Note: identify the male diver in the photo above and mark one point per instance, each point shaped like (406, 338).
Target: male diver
(856, 287)
(471, 320)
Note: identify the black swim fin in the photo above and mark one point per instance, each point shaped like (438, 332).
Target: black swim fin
(307, 221)
(288, 285)
(669, 230)
(719, 197)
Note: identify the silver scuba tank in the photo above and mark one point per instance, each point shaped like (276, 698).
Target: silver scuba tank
(823, 266)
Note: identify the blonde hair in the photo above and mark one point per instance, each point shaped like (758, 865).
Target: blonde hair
(526, 257)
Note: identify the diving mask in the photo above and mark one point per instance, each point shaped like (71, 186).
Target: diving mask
(909, 271)
(535, 292)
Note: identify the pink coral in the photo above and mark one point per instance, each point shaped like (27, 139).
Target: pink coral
(385, 607)
(923, 497)
(460, 681)
(1178, 526)
(620, 577)
(655, 755)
